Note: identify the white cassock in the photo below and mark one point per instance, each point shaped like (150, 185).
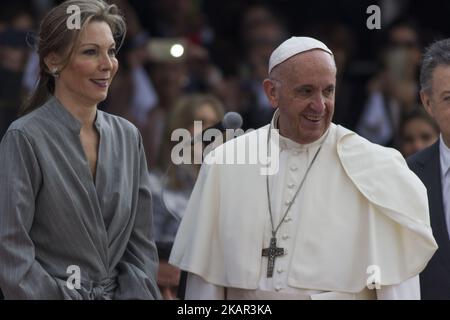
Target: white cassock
(360, 212)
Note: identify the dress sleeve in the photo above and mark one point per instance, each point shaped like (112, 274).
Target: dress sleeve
(21, 275)
(139, 264)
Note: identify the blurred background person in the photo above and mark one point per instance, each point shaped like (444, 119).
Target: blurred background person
(172, 184)
(14, 53)
(172, 77)
(261, 32)
(351, 80)
(394, 90)
(170, 80)
(417, 131)
(132, 94)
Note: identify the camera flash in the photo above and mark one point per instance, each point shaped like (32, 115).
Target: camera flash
(177, 50)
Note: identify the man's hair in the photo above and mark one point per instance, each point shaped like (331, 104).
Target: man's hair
(436, 54)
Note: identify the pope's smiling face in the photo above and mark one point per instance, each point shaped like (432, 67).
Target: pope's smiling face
(303, 89)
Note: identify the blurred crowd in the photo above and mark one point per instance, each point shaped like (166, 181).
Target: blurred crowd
(225, 48)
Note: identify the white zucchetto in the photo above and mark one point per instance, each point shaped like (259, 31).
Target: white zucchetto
(293, 46)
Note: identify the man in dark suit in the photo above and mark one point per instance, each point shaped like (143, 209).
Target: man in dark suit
(432, 167)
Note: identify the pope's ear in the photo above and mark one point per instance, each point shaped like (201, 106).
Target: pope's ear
(270, 90)
(426, 102)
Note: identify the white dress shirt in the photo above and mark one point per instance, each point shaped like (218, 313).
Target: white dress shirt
(445, 180)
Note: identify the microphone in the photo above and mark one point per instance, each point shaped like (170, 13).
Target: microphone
(231, 120)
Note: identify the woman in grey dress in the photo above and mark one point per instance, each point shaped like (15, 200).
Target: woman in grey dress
(75, 203)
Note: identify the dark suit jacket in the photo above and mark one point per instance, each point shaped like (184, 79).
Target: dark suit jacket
(435, 279)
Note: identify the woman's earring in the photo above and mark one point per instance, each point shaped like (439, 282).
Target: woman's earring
(55, 72)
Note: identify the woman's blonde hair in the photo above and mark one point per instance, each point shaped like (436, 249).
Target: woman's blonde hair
(183, 116)
(55, 36)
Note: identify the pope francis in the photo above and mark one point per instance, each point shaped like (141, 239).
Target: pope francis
(342, 218)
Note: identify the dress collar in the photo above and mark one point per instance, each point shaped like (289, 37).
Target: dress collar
(66, 118)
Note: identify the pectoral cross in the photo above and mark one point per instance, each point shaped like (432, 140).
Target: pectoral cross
(272, 252)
